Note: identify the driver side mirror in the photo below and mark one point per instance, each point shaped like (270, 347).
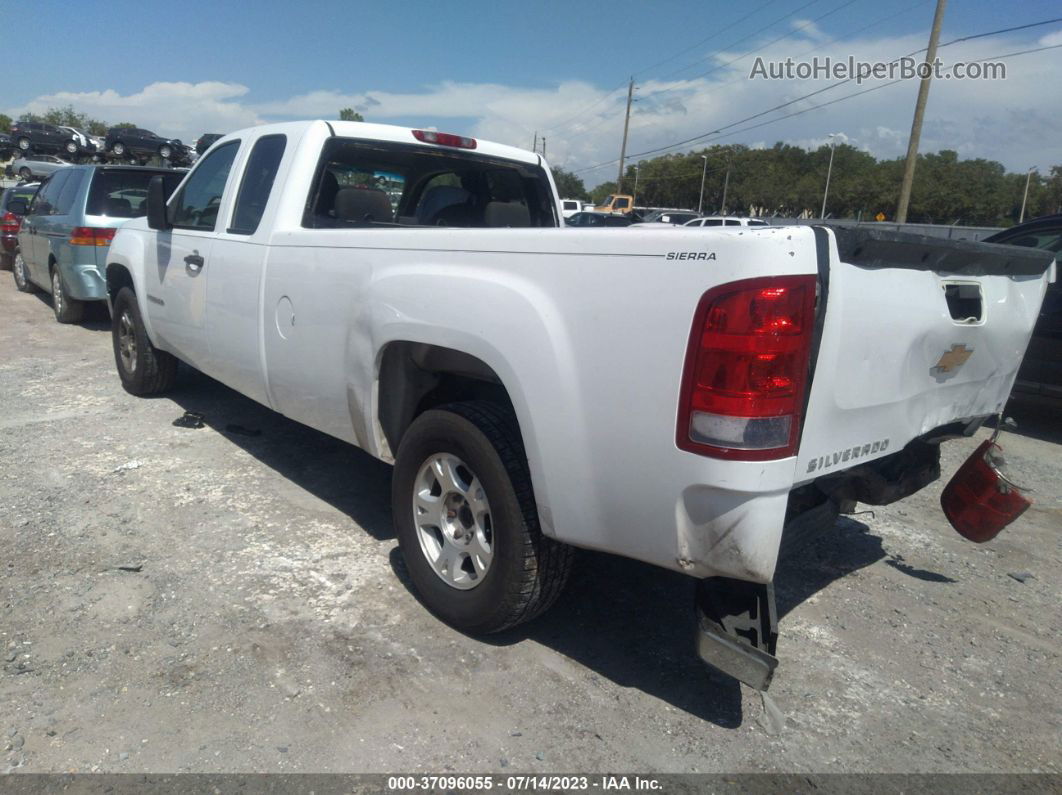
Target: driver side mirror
(17, 206)
(156, 204)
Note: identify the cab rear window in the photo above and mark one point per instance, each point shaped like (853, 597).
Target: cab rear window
(366, 184)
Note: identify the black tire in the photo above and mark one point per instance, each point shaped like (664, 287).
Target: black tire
(24, 144)
(66, 309)
(165, 151)
(149, 371)
(25, 173)
(118, 148)
(528, 571)
(18, 269)
(71, 147)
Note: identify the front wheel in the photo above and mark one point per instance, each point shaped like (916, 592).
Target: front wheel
(25, 173)
(71, 147)
(165, 151)
(24, 144)
(465, 516)
(118, 148)
(67, 309)
(143, 368)
(18, 270)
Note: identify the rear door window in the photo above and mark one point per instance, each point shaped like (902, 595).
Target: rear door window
(196, 206)
(64, 201)
(257, 183)
(122, 193)
(49, 194)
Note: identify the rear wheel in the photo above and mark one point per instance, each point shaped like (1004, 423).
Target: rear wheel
(166, 151)
(67, 309)
(25, 173)
(118, 148)
(18, 269)
(143, 368)
(466, 521)
(24, 144)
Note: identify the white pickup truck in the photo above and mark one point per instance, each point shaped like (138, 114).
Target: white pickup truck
(677, 396)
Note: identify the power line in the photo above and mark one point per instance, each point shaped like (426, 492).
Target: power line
(758, 30)
(785, 35)
(718, 130)
(601, 99)
(717, 86)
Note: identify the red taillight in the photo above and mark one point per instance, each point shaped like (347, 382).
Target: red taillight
(979, 500)
(746, 369)
(10, 223)
(444, 139)
(92, 236)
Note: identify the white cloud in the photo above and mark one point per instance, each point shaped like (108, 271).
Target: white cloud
(1012, 120)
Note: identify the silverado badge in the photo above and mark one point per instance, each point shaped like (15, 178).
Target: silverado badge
(951, 360)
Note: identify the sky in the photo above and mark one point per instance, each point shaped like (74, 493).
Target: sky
(505, 71)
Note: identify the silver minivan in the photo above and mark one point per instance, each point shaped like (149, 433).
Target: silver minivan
(68, 227)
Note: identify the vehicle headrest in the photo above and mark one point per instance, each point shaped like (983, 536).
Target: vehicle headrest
(506, 214)
(362, 205)
(438, 198)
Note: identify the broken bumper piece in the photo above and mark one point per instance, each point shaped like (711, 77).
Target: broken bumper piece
(738, 629)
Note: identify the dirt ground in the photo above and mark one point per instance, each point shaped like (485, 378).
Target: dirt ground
(231, 598)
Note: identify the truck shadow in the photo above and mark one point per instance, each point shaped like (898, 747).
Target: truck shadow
(338, 473)
(633, 623)
(626, 622)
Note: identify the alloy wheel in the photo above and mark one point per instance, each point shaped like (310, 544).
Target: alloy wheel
(452, 518)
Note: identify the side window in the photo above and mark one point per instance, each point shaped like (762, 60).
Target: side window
(257, 183)
(732, 222)
(712, 222)
(621, 204)
(65, 199)
(49, 194)
(196, 206)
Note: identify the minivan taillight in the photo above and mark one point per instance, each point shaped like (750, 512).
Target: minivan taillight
(92, 236)
(10, 223)
(746, 369)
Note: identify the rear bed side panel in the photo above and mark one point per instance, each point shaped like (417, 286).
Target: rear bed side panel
(589, 337)
(880, 381)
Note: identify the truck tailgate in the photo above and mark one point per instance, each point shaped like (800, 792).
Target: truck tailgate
(917, 333)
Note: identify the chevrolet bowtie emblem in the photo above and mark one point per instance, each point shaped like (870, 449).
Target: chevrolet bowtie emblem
(952, 360)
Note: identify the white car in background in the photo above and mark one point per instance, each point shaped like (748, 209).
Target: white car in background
(726, 220)
(570, 207)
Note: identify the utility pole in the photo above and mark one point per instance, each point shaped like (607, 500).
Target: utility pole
(534, 142)
(829, 170)
(543, 147)
(726, 181)
(1025, 198)
(920, 110)
(623, 147)
(704, 173)
(634, 196)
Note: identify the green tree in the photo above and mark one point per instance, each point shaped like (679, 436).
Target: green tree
(125, 125)
(349, 114)
(5, 123)
(569, 186)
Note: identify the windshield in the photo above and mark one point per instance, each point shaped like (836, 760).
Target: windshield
(123, 193)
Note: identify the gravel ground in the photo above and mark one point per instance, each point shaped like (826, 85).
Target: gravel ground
(208, 599)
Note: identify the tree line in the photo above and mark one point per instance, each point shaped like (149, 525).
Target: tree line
(789, 181)
(65, 117)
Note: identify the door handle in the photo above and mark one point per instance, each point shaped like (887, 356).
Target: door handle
(194, 262)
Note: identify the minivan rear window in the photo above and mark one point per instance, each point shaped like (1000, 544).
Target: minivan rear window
(122, 193)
